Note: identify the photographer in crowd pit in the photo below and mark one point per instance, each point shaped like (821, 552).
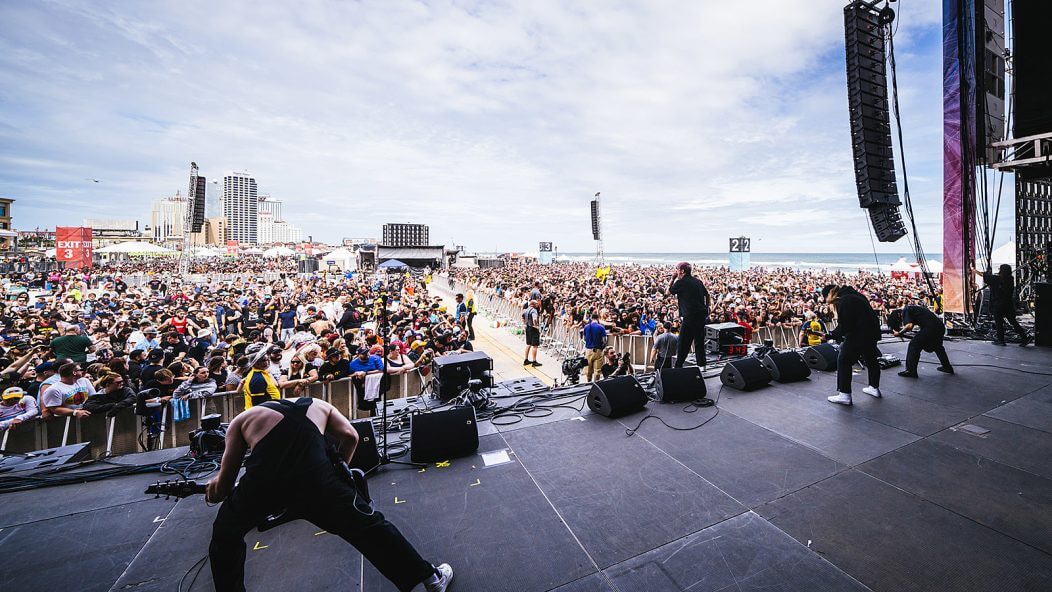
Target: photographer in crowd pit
(615, 364)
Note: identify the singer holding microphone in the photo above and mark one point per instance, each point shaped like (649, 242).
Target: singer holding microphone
(693, 311)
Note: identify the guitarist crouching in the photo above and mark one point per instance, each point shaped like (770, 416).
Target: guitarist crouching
(289, 462)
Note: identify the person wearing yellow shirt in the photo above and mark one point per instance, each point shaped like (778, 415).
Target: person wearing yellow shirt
(812, 331)
(258, 385)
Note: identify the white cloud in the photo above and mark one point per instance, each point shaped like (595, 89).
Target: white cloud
(493, 122)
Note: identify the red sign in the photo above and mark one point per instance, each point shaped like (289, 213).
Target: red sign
(231, 247)
(73, 245)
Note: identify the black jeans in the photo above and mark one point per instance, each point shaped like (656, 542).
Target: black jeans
(329, 504)
(1000, 316)
(850, 353)
(691, 332)
(471, 328)
(929, 343)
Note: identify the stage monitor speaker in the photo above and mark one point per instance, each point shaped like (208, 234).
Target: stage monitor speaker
(367, 454)
(615, 397)
(786, 366)
(821, 357)
(453, 371)
(1043, 314)
(675, 385)
(442, 435)
(746, 374)
(45, 459)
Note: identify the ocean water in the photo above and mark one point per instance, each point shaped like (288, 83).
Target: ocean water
(846, 262)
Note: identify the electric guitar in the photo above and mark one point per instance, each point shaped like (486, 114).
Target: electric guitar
(181, 488)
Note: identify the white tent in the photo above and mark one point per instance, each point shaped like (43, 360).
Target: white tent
(902, 265)
(252, 251)
(50, 253)
(206, 253)
(279, 252)
(135, 248)
(935, 266)
(342, 258)
(1004, 254)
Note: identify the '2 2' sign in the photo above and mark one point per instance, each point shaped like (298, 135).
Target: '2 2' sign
(741, 244)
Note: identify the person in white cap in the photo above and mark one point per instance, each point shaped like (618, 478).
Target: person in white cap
(16, 407)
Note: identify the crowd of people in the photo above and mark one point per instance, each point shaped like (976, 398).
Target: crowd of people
(79, 343)
(634, 299)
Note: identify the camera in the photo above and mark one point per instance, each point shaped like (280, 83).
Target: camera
(572, 368)
(210, 439)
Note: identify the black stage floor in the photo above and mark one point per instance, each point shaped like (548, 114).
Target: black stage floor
(779, 491)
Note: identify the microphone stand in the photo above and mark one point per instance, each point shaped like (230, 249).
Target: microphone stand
(385, 382)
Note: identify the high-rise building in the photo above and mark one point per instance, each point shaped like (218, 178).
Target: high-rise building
(167, 220)
(213, 233)
(269, 204)
(264, 228)
(241, 207)
(405, 235)
(287, 233)
(5, 222)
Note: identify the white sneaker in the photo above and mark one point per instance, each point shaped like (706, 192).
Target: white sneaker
(445, 576)
(872, 390)
(840, 399)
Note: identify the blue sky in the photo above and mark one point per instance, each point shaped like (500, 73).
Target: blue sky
(495, 122)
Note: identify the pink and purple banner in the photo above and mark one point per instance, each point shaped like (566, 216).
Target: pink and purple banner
(958, 229)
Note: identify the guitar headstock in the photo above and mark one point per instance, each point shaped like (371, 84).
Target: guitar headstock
(180, 488)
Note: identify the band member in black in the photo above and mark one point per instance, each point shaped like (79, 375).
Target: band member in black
(289, 463)
(1002, 303)
(693, 310)
(858, 329)
(930, 331)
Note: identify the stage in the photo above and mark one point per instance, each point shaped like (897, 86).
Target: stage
(779, 491)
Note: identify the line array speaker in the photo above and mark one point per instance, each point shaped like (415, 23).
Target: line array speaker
(865, 31)
(887, 223)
